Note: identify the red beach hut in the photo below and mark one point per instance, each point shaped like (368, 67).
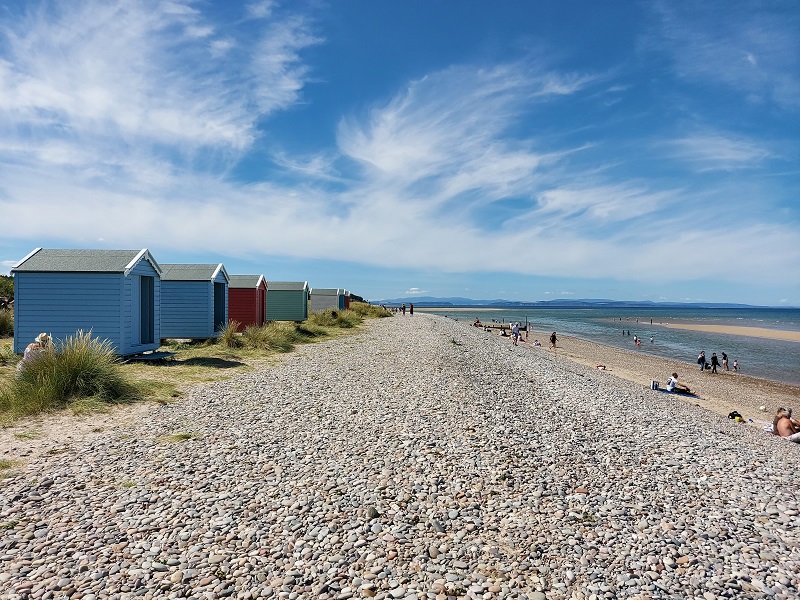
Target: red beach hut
(247, 300)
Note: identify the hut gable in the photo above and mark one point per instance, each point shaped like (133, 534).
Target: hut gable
(247, 281)
(194, 300)
(247, 300)
(287, 300)
(112, 293)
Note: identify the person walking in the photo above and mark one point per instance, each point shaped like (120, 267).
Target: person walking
(403, 309)
(725, 361)
(701, 360)
(714, 362)
(553, 340)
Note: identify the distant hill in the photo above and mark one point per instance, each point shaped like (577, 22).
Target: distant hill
(456, 302)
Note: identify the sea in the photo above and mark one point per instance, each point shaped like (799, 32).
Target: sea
(776, 360)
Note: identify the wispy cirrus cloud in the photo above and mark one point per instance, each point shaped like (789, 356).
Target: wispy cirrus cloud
(146, 72)
(448, 119)
(752, 49)
(709, 150)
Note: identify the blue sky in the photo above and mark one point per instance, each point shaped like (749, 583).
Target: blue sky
(523, 150)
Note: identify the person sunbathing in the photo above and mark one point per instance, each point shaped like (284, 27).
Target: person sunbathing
(674, 386)
(784, 426)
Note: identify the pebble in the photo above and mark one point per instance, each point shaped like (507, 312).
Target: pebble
(417, 459)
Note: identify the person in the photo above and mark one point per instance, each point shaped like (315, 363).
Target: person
(673, 385)
(33, 351)
(537, 343)
(652, 340)
(411, 309)
(635, 339)
(403, 309)
(553, 340)
(785, 426)
(714, 362)
(725, 361)
(477, 322)
(735, 365)
(701, 360)
(515, 333)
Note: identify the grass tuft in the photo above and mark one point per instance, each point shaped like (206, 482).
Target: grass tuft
(229, 335)
(82, 367)
(6, 322)
(7, 356)
(343, 319)
(369, 311)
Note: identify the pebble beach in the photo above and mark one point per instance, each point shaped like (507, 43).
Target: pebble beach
(419, 458)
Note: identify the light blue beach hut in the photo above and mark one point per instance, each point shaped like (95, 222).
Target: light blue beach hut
(194, 300)
(114, 294)
(287, 300)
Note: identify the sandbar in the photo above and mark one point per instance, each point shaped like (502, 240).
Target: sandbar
(759, 332)
(459, 309)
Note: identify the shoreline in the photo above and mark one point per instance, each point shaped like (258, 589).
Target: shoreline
(720, 393)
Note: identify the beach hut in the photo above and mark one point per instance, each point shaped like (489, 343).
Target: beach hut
(325, 298)
(287, 300)
(345, 300)
(194, 301)
(114, 294)
(247, 300)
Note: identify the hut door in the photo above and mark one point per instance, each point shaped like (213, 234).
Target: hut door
(219, 306)
(262, 306)
(147, 310)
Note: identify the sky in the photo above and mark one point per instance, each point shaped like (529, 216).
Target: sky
(519, 150)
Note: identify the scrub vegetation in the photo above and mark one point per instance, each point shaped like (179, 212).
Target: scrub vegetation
(6, 322)
(79, 368)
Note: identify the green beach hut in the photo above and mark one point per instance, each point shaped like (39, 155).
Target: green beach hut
(287, 300)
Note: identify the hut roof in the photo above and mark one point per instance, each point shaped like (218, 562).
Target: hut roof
(246, 281)
(287, 285)
(84, 261)
(191, 272)
(326, 291)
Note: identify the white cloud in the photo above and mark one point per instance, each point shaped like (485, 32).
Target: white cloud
(415, 291)
(440, 176)
(138, 73)
(260, 10)
(718, 151)
(740, 46)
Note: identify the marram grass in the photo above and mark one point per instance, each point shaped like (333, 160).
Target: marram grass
(81, 368)
(229, 336)
(6, 322)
